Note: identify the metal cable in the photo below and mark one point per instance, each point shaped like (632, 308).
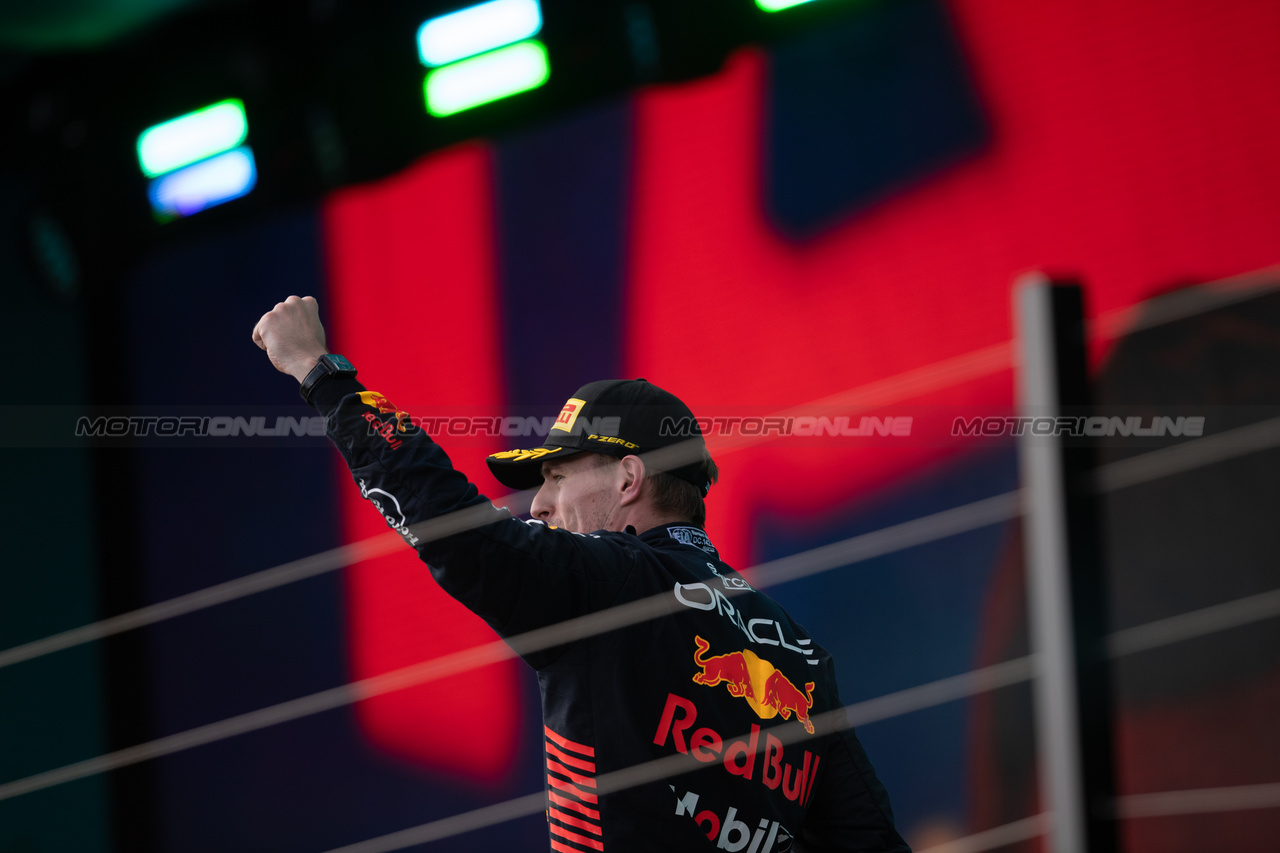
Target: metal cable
(903, 386)
(897, 537)
(858, 548)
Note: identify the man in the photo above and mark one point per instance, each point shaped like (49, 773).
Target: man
(722, 674)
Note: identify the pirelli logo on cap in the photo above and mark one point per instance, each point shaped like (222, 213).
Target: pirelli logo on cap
(569, 414)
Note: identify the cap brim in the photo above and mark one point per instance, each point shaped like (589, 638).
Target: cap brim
(522, 469)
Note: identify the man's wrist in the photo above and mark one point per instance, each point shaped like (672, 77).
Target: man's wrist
(299, 368)
(328, 367)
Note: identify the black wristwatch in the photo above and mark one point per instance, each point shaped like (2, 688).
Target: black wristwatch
(329, 364)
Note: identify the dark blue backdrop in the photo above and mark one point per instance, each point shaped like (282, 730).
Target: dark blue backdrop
(847, 124)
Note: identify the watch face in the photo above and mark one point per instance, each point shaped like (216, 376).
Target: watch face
(339, 362)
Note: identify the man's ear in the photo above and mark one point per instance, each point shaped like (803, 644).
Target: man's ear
(631, 476)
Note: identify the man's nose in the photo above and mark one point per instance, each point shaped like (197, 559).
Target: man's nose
(541, 508)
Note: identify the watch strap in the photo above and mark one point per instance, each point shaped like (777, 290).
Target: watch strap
(329, 364)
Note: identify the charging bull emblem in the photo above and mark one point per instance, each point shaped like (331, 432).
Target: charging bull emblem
(374, 400)
(781, 695)
(751, 677)
(731, 668)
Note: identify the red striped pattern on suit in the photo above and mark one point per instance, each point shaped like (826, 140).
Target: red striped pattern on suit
(573, 809)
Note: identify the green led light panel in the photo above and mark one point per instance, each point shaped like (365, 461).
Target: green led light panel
(485, 78)
(192, 137)
(779, 5)
(477, 29)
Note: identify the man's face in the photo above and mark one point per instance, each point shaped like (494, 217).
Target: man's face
(580, 493)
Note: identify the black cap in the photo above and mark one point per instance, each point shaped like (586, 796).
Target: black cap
(619, 417)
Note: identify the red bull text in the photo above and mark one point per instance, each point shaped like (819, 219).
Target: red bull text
(738, 756)
(386, 429)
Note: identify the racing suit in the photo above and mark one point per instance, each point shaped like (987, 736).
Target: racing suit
(712, 677)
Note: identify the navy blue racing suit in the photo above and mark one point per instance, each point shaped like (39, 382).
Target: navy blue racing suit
(720, 675)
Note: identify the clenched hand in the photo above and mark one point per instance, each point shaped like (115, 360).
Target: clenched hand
(292, 335)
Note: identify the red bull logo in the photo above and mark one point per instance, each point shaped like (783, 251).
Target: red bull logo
(379, 402)
(755, 756)
(751, 677)
(386, 429)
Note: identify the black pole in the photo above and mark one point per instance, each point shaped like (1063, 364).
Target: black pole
(1065, 559)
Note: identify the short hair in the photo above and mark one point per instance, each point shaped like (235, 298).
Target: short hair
(679, 497)
(671, 494)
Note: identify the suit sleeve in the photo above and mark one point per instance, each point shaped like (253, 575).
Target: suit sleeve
(517, 575)
(850, 810)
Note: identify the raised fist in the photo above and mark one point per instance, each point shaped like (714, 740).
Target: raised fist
(292, 335)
